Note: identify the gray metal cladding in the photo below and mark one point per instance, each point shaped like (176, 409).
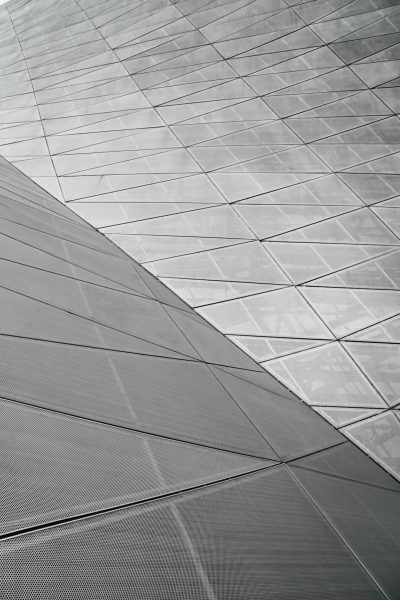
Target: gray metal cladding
(144, 472)
(280, 546)
(135, 553)
(221, 543)
(221, 438)
(56, 467)
(349, 506)
(287, 425)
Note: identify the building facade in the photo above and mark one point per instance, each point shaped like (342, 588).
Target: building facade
(246, 155)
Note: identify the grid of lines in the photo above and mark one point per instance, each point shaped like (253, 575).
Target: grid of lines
(144, 455)
(246, 153)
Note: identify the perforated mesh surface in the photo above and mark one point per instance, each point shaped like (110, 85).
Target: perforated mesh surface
(242, 540)
(139, 448)
(289, 426)
(366, 517)
(54, 467)
(135, 554)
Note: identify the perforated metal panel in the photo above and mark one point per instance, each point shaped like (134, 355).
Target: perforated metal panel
(367, 518)
(289, 426)
(54, 467)
(137, 554)
(71, 379)
(226, 146)
(346, 460)
(183, 399)
(262, 537)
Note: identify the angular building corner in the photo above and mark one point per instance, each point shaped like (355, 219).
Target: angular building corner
(146, 456)
(244, 153)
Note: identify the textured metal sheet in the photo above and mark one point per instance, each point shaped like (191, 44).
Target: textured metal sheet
(55, 467)
(257, 538)
(368, 519)
(290, 427)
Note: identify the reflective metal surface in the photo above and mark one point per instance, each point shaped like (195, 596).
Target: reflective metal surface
(247, 153)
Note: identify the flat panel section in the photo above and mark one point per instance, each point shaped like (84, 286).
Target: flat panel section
(347, 461)
(289, 426)
(368, 519)
(263, 536)
(174, 398)
(379, 436)
(242, 539)
(54, 467)
(130, 555)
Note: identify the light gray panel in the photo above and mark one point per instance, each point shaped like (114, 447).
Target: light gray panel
(290, 426)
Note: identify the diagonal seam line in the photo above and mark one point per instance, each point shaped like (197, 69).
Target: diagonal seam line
(147, 501)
